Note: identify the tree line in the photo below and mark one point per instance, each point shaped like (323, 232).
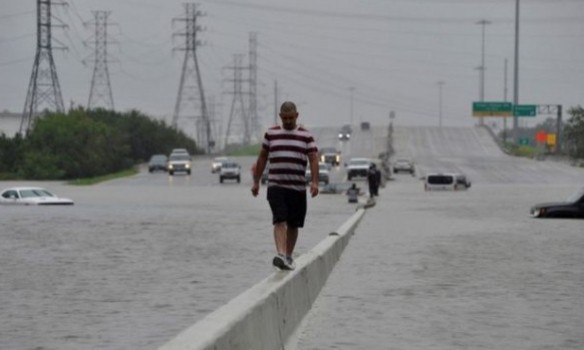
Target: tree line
(87, 143)
(572, 138)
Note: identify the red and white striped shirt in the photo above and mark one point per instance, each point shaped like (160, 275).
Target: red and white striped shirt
(288, 156)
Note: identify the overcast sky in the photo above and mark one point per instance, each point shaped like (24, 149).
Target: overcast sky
(383, 55)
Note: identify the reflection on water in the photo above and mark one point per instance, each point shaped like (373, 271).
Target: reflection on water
(131, 265)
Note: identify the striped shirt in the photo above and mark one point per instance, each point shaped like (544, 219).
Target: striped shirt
(288, 156)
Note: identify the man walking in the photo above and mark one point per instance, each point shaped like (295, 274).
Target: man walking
(374, 180)
(288, 148)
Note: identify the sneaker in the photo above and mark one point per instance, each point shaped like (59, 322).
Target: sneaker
(290, 262)
(280, 262)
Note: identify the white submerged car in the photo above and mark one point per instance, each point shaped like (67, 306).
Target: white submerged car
(32, 196)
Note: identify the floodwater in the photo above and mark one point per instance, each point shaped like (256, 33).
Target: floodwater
(135, 261)
(455, 270)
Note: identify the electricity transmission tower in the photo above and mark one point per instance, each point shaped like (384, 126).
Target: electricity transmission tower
(253, 81)
(43, 88)
(100, 94)
(191, 85)
(238, 99)
(251, 126)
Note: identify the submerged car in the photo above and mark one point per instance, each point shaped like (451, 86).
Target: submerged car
(572, 207)
(157, 162)
(32, 196)
(446, 182)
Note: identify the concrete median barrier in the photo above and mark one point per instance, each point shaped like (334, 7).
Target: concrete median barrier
(268, 315)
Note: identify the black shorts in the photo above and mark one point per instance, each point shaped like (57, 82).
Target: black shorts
(287, 206)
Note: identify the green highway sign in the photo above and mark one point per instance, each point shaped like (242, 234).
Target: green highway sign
(524, 141)
(525, 111)
(492, 109)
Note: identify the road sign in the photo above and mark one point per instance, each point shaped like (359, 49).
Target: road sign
(524, 141)
(551, 139)
(492, 109)
(525, 110)
(541, 136)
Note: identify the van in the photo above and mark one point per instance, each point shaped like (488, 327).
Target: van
(446, 182)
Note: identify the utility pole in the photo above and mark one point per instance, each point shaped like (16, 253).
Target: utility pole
(238, 98)
(482, 68)
(505, 99)
(43, 88)
(516, 74)
(191, 84)
(440, 84)
(101, 89)
(352, 89)
(276, 102)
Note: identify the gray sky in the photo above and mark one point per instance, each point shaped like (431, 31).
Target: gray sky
(392, 52)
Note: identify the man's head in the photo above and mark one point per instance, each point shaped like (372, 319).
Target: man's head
(288, 115)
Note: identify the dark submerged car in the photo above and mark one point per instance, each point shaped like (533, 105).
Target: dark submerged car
(573, 207)
(157, 163)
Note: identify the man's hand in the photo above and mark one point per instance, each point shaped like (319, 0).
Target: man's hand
(313, 189)
(255, 189)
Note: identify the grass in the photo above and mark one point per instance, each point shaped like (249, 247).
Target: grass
(251, 150)
(98, 179)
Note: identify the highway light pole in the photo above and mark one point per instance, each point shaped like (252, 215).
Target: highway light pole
(516, 74)
(440, 84)
(352, 89)
(482, 68)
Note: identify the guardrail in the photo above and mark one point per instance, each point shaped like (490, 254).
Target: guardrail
(268, 315)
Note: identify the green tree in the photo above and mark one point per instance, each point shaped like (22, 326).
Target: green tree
(73, 146)
(11, 150)
(573, 134)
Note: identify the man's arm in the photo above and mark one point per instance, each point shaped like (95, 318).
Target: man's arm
(260, 165)
(257, 171)
(313, 159)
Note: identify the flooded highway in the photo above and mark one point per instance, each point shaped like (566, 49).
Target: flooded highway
(137, 260)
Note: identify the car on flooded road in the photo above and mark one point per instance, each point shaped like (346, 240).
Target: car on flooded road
(403, 165)
(330, 155)
(216, 164)
(323, 173)
(158, 162)
(230, 171)
(31, 196)
(572, 207)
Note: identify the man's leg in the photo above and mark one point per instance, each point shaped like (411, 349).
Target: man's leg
(280, 233)
(291, 237)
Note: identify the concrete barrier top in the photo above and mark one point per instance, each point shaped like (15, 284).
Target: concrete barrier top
(267, 315)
